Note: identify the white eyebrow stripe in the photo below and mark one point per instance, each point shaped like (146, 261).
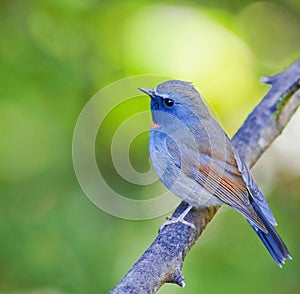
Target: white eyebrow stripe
(164, 96)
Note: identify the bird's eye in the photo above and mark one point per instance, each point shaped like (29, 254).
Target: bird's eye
(169, 102)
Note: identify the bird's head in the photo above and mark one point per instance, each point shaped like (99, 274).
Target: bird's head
(178, 100)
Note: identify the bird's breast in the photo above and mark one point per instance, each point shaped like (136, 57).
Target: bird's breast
(168, 167)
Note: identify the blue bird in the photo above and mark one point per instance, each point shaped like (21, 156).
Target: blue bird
(195, 159)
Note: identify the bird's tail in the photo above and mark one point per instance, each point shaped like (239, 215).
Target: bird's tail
(271, 239)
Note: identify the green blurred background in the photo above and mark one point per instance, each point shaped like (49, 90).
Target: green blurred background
(55, 55)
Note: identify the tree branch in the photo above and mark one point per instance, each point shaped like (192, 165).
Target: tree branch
(162, 261)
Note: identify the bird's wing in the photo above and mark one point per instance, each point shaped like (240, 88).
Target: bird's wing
(228, 187)
(221, 178)
(253, 188)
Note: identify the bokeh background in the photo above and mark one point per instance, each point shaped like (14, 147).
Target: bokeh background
(55, 55)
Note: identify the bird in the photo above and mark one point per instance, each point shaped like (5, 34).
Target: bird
(195, 159)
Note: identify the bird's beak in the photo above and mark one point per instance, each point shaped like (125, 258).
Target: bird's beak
(149, 92)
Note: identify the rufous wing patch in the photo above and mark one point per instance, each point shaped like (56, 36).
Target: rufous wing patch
(233, 193)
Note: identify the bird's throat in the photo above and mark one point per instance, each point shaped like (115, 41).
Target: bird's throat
(154, 125)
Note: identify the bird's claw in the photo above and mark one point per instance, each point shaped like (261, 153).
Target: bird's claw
(179, 219)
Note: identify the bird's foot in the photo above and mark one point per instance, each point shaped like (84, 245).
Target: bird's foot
(179, 219)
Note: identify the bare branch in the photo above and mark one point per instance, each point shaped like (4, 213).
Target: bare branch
(162, 261)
